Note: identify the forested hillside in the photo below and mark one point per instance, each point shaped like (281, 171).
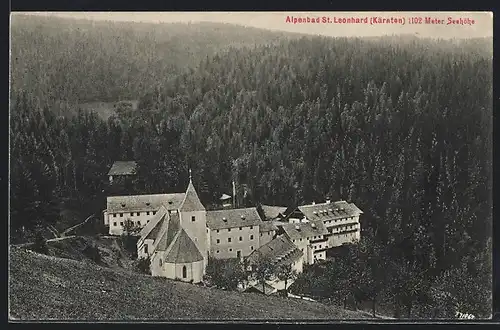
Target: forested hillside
(401, 127)
(68, 61)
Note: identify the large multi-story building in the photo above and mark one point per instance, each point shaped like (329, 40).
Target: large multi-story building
(179, 235)
(340, 219)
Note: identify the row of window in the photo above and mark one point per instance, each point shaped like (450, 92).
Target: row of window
(345, 228)
(342, 219)
(121, 223)
(231, 250)
(138, 214)
(229, 229)
(229, 239)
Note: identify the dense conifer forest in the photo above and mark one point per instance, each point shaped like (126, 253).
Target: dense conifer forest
(400, 126)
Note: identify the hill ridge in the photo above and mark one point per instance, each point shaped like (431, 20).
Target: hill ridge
(71, 290)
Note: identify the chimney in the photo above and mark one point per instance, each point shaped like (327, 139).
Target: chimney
(328, 200)
(242, 217)
(224, 219)
(297, 228)
(313, 225)
(313, 203)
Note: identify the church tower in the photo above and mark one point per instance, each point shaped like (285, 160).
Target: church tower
(194, 221)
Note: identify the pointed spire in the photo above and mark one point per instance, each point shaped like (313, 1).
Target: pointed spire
(191, 200)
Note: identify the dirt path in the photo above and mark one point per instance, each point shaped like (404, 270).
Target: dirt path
(49, 240)
(77, 225)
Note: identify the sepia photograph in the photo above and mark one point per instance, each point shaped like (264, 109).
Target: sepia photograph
(250, 166)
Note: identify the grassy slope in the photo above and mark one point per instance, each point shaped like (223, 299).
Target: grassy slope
(72, 290)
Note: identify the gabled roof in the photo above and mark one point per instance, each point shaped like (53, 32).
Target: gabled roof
(272, 212)
(156, 229)
(280, 250)
(135, 203)
(183, 250)
(225, 197)
(268, 289)
(191, 200)
(305, 229)
(123, 168)
(330, 211)
(162, 211)
(266, 226)
(231, 218)
(168, 236)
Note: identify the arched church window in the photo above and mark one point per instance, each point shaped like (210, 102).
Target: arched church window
(160, 263)
(184, 272)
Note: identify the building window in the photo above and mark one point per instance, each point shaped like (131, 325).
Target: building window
(229, 230)
(147, 213)
(251, 237)
(251, 227)
(121, 215)
(160, 263)
(218, 241)
(184, 272)
(121, 223)
(217, 231)
(230, 250)
(294, 241)
(229, 240)
(114, 215)
(241, 238)
(114, 223)
(217, 251)
(147, 221)
(241, 228)
(138, 223)
(238, 254)
(146, 248)
(138, 213)
(193, 218)
(251, 247)
(154, 212)
(301, 239)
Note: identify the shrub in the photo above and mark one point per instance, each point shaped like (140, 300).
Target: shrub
(143, 265)
(93, 253)
(40, 244)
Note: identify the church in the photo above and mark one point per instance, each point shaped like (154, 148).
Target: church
(178, 234)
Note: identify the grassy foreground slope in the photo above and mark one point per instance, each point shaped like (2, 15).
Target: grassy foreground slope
(49, 288)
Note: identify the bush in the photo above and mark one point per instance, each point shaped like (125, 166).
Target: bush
(93, 253)
(40, 244)
(129, 244)
(143, 266)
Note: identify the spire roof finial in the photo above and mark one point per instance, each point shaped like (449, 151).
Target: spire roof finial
(189, 174)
